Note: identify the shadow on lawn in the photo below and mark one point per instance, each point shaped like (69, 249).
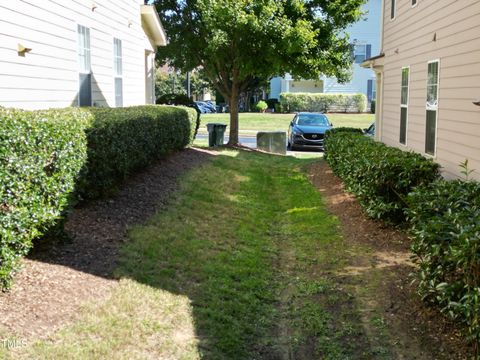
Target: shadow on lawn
(264, 292)
(97, 229)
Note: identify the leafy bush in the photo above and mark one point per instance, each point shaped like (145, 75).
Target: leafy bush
(445, 221)
(123, 140)
(46, 155)
(261, 106)
(293, 102)
(380, 176)
(41, 155)
(180, 100)
(271, 103)
(175, 99)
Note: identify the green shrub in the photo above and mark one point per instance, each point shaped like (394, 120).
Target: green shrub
(261, 106)
(180, 100)
(445, 222)
(271, 103)
(380, 176)
(373, 106)
(294, 102)
(123, 140)
(46, 155)
(41, 155)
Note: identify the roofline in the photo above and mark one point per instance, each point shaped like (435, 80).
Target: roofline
(379, 56)
(370, 62)
(154, 28)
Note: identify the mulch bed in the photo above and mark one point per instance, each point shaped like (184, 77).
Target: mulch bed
(423, 329)
(58, 278)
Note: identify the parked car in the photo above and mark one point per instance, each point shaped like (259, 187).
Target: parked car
(370, 131)
(211, 105)
(307, 130)
(203, 107)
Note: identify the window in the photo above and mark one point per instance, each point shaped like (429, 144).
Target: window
(432, 108)
(118, 71)
(362, 52)
(84, 62)
(404, 105)
(414, 2)
(371, 90)
(393, 9)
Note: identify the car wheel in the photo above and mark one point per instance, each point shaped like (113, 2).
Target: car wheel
(289, 146)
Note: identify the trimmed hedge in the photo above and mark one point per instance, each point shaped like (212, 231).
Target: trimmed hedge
(293, 102)
(41, 155)
(46, 155)
(445, 221)
(123, 140)
(380, 176)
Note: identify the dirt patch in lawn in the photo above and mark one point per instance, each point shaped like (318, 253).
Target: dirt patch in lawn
(377, 273)
(57, 279)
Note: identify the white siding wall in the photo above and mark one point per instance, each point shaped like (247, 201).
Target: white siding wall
(409, 41)
(48, 75)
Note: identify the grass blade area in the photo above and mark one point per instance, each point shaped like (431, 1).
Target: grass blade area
(237, 268)
(280, 122)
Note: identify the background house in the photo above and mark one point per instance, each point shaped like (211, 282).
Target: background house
(57, 53)
(429, 78)
(365, 38)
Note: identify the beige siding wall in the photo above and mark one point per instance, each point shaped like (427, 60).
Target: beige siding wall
(48, 75)
(409, 41)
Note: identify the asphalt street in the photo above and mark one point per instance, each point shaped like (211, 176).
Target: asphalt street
(251, 141)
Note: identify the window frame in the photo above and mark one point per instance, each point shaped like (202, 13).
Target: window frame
(404, 105)
(118, 70)
(393, 10)
(435, 108)
(86, 53)
(355, 53)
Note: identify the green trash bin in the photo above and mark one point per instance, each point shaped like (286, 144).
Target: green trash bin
(216, 133)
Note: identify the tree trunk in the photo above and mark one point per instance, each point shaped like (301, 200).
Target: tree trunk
(233, 103)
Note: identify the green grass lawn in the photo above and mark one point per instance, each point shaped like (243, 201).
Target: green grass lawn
(271, 122)
(237, 268)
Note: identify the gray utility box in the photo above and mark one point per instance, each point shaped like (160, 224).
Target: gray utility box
(272, 141)
(216, 134)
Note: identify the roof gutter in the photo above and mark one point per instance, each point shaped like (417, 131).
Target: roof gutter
(152, 25)
(375, 62)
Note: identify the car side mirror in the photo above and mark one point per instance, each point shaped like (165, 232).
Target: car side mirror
(331, 124)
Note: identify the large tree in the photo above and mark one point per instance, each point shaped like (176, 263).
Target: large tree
(237, 42)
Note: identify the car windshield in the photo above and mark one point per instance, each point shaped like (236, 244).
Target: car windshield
(312, 120)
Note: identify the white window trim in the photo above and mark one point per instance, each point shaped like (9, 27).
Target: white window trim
(364, 45)
(394, 10)
(434, 156)
(78, 47)
(78, 59)
(115, 75)
(405, 105)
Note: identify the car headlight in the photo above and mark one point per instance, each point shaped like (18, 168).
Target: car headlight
(297, 132)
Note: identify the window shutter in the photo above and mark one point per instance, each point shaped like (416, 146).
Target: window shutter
(369, 51)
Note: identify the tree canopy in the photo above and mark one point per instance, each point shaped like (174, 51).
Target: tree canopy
(237, 42)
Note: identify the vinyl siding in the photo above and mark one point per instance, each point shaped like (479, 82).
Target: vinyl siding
(48, 75)
(447, 30)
